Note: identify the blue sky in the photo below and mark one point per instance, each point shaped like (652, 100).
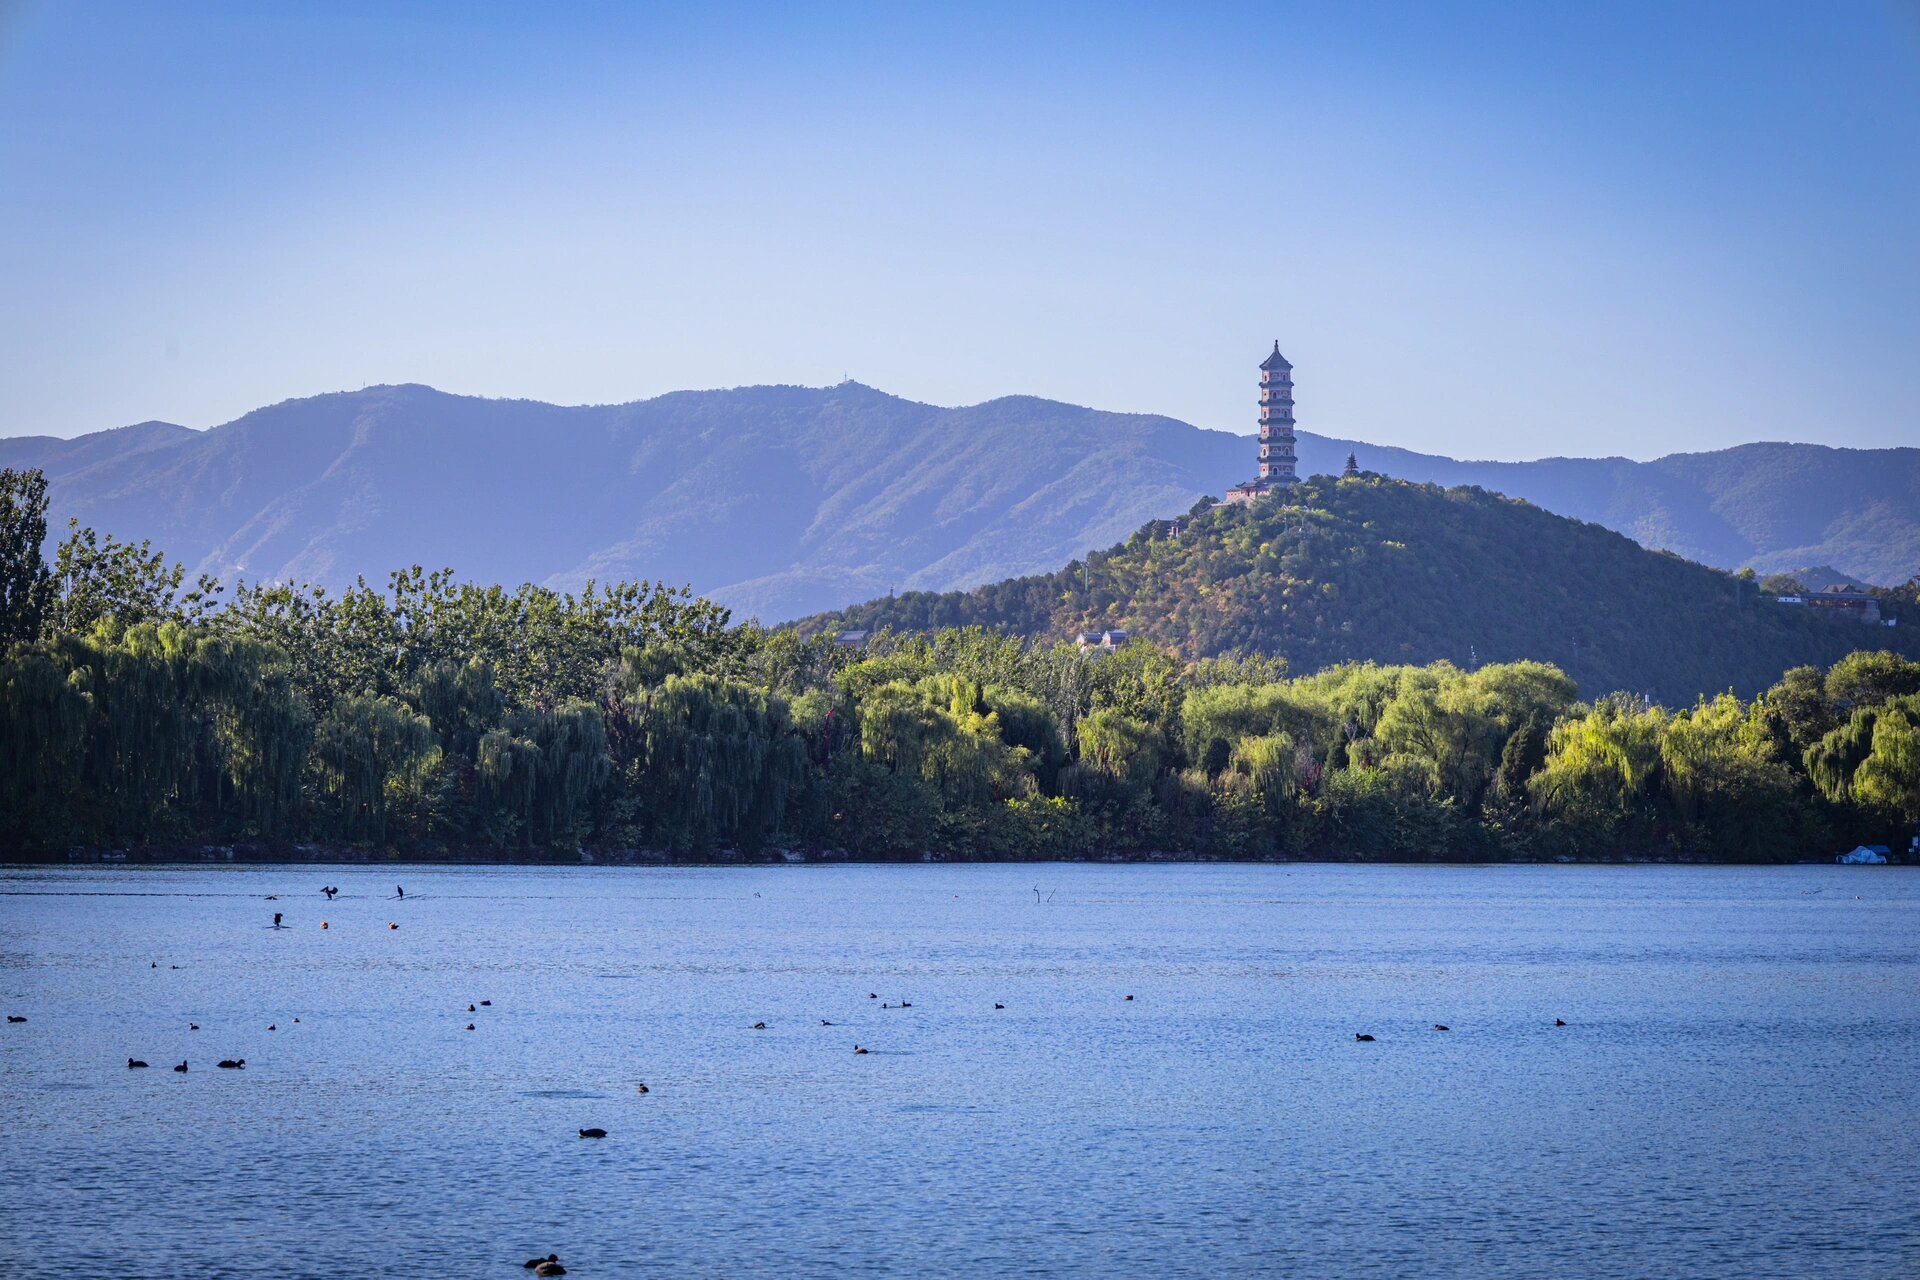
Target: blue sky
(1489, 230)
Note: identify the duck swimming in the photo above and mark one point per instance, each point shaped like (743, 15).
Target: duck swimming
(858, 1049)
(232, 1064)
(759, 1026)
(642, 1089)
(1559, 1022)
(1441, 1026)
(593, 1133)
(14, 1017)
(531, 1263)
(181, 1067)
(134, 1064)
(1363, 1038)
(549, 1269)
(999, 1006)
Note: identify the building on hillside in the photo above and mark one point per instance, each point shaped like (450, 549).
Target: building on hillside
(850, 640)
(1103, 641)
(1277, 461)
(1848, 602)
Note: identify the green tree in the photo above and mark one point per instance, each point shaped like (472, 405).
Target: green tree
(26, 588)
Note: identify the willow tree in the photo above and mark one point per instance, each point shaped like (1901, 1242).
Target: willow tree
(721, 763)
(370, 755)
(45, 718)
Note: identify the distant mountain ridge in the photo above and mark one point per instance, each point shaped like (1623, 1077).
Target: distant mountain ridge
(782, 501)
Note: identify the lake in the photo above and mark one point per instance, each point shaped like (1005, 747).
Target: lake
(1736, 1091)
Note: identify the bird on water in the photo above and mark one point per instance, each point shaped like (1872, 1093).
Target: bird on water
(593, 1133)
(550, 1269)
(133, 1064)
(1362, 1037)
(232, 1064)
(181, 1067)
(858, 1049)
(1559, 1022)
(1441, 1026)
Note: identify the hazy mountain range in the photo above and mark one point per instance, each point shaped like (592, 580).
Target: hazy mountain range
(782, 501)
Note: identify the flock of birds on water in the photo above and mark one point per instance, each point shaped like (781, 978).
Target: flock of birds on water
(550, 1265)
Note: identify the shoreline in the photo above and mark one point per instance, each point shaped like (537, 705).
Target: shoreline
(256, 854)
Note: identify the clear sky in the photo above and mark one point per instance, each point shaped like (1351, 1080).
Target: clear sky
(1489, 230)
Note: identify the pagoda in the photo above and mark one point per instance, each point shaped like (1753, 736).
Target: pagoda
(1276, 421)
(1277, 460)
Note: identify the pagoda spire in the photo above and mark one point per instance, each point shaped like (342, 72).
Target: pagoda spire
(1277, 460)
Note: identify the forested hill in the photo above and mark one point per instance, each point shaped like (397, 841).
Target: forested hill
(1384, 570)
(781, 501)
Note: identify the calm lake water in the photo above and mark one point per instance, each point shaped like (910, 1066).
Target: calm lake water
(1736, 1093)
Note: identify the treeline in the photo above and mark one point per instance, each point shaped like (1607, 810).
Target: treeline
(1370, 568)
(137, 707)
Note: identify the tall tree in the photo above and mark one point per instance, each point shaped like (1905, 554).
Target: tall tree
(25, 584)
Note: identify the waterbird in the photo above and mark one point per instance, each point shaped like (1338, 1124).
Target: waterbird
(193, 1026)
(759, 1026)
(1129, 997)
(1441, 1026)
(593, 1133)
(1559, 1022)
(486, 1004)
(858, 1049)
(549, 1269)
(470, 1009)
(182, 1066)
(872, 996)
(273, 1026)
(231, 1064)
(999, 1006)
(134, 1064)
(825, 1023)
(531, 1263)
(392, 925)
(14, 1017)
(469, 1026)
(276, 919)
(642, 1089)
(1358, 1036)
